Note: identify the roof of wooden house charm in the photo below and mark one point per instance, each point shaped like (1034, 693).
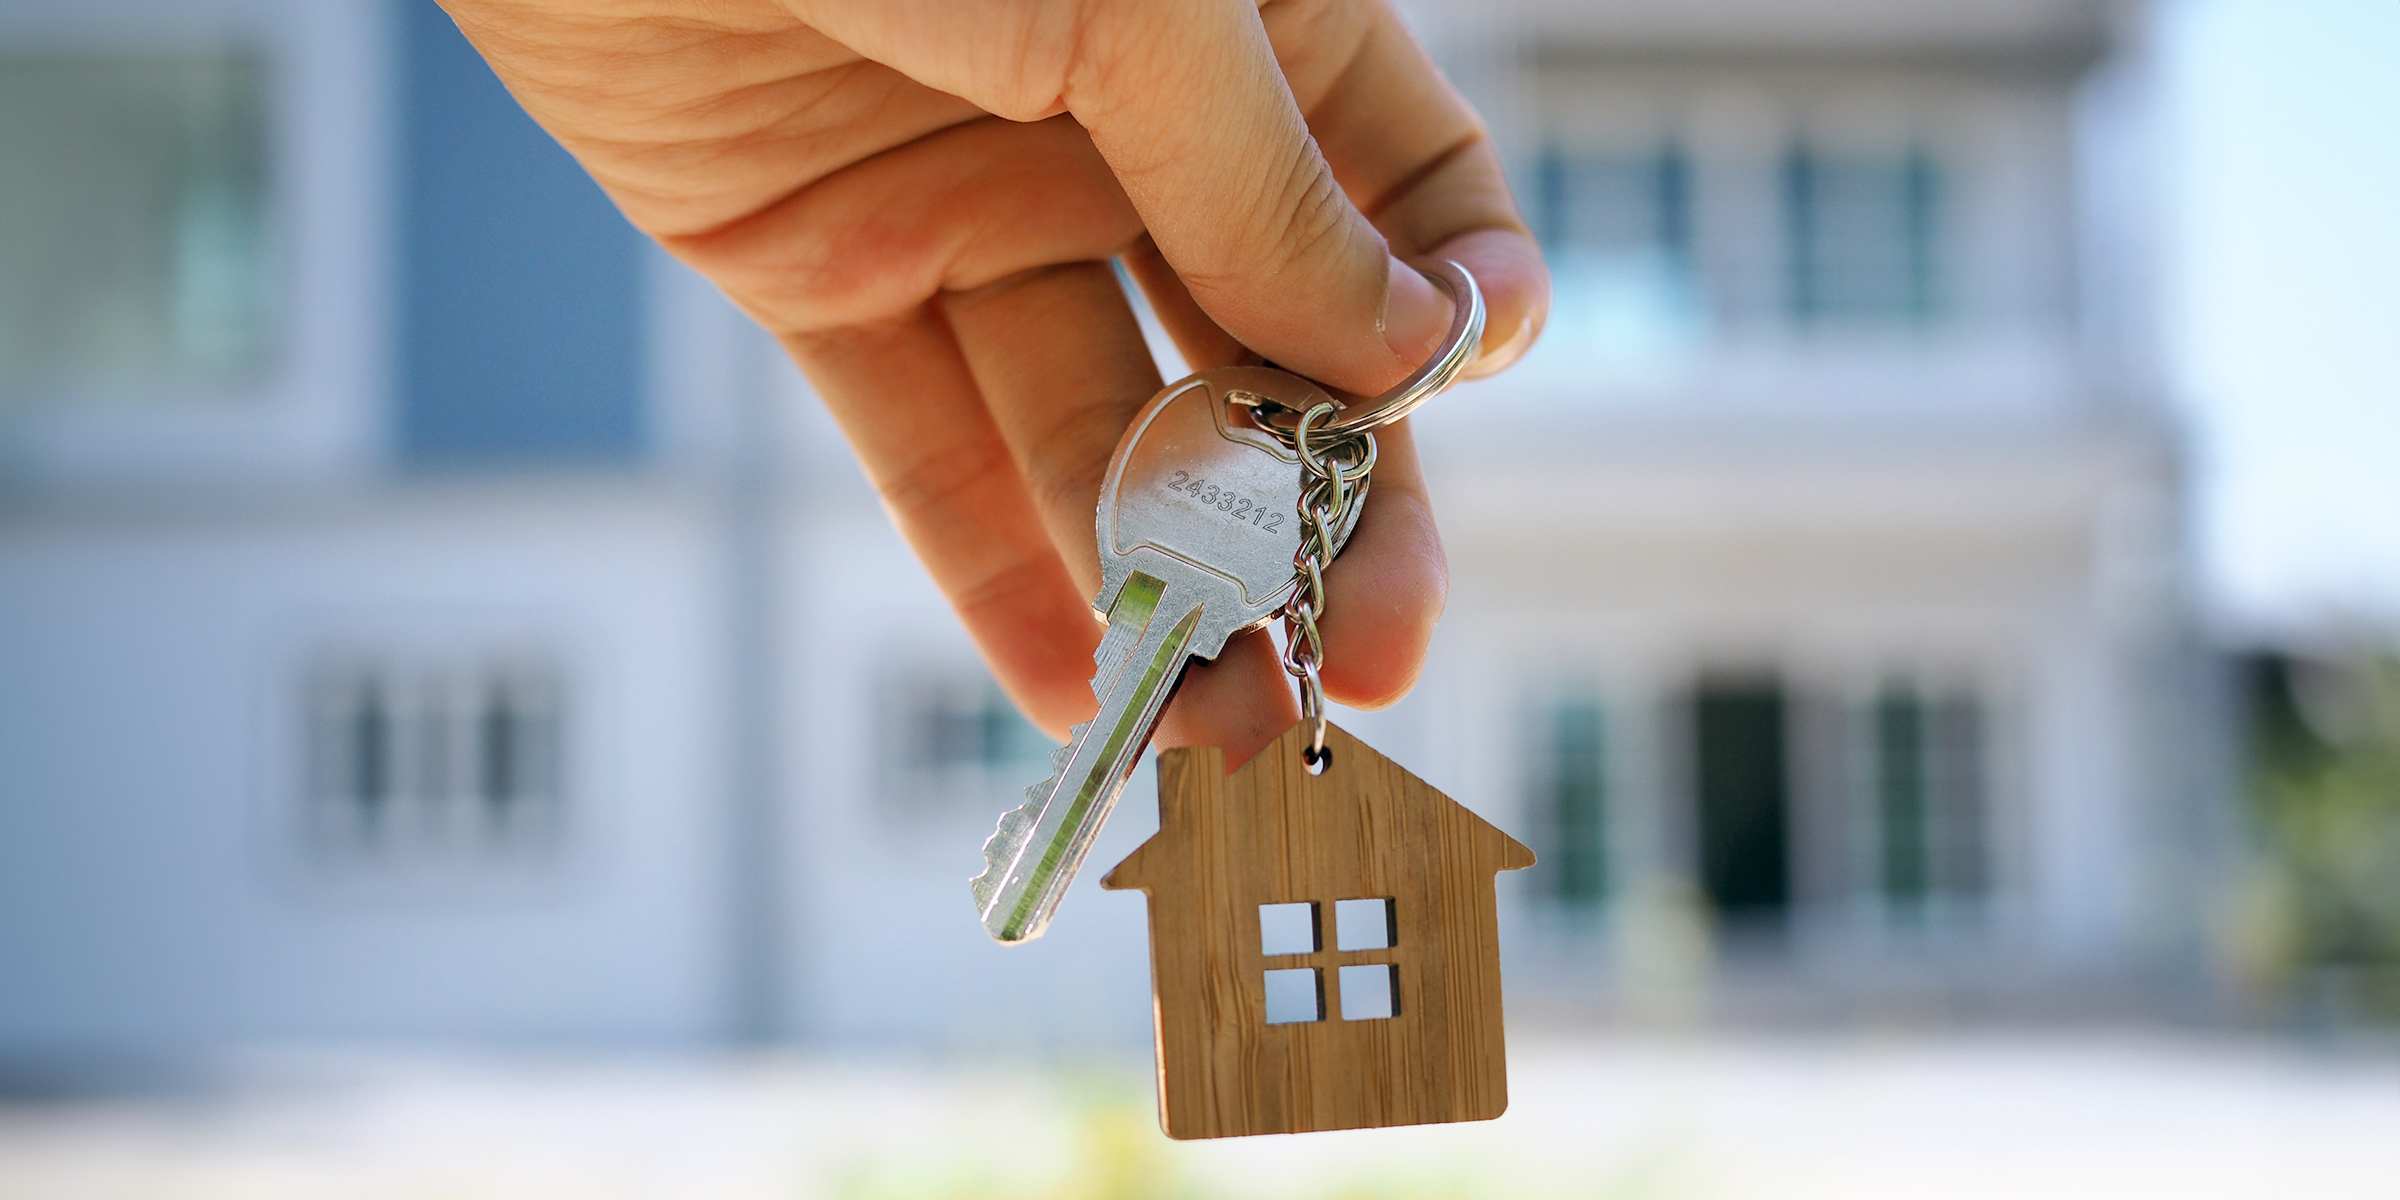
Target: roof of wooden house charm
(1324, 948)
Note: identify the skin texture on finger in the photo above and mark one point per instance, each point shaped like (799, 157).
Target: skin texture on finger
(693, 117)
(1238, 703)
(956, 496)
(701, 118)
(1062, 367)
(952, 211)
(1380, 109)
(1409, 151)
(1273, 251)
(1202, 342)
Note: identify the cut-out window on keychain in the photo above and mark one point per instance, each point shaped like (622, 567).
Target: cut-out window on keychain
(1370, 992)
(1295, 996)
(1363, 924)
(1288, 929)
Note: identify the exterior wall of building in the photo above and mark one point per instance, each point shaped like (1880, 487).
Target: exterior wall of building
(1973, 580)
(177, 864)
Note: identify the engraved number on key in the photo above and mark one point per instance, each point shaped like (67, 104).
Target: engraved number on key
(1226, 500)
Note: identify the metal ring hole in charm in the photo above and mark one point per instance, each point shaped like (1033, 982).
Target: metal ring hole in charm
(1318, 760)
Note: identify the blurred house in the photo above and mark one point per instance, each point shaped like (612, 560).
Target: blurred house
(1821, 576)
(431, 613)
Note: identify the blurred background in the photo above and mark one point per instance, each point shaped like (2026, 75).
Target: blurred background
(1930, 601)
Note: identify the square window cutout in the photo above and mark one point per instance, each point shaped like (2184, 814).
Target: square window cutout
(1288, 929)
(1295, 996)
(1363, 924)
(1371, 992)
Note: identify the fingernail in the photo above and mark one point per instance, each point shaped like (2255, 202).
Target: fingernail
(1415, 315)
(1497, 355)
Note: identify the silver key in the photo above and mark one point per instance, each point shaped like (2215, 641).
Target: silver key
(1198, 524)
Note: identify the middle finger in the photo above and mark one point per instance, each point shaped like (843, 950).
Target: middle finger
(1063, 368)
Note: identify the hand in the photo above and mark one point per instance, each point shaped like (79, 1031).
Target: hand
(919, 198)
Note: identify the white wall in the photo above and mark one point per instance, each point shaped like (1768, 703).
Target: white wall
(152, 890)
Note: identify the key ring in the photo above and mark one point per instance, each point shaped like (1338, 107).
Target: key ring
(1440, 371)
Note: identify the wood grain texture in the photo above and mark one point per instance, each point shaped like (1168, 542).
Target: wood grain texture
(1271, 833)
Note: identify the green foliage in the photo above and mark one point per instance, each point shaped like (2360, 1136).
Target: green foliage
(2325, 789)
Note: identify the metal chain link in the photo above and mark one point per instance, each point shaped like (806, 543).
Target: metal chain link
(1336, 456)
(1335, 468)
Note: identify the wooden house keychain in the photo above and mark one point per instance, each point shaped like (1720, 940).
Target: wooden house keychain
(1209, 527)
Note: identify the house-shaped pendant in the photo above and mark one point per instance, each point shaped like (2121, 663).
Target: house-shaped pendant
(1324, 948)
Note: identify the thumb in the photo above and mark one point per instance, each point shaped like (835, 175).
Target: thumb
(1188, 105)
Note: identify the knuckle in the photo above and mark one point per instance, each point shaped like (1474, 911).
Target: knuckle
(1000, 591)
(941, 480)
(800, 273)
(1301, 219)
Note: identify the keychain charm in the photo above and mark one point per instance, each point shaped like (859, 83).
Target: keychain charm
(1397, 962)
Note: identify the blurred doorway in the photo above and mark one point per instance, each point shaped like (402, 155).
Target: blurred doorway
(1744, 801)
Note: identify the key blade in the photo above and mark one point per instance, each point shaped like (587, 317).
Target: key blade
(1039, 846)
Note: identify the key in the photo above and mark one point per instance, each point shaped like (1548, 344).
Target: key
(1197, 527)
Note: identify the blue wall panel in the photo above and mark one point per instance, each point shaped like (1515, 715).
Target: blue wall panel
(521, 337)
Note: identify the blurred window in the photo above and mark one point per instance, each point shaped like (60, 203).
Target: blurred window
(433, 760)
(1618, 231)
(522, 324)
(1568, 802)
(1811, 239)
(1744, 799)
(1618, 204)
(956, 743)
(1929, 795)
(1859, 237)
(133, 219)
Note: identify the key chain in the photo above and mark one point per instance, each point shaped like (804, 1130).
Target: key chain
(1324, 939)
(1338, 467)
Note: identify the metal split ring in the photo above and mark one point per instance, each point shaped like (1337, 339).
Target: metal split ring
(1439, 372)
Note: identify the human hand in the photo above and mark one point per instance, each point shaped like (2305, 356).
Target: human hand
(919, 198)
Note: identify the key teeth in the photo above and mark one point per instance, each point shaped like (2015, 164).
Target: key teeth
(1058, 760)
(1008, 837)
(999, 850)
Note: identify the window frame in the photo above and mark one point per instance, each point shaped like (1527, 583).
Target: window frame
(312, 407)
